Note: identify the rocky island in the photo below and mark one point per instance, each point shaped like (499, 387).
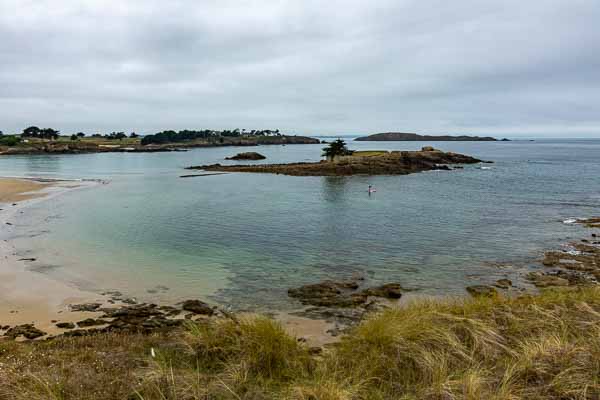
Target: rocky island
(251, 155)
(412, 137)
(358, 163)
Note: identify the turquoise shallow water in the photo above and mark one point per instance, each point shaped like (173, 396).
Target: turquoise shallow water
(243, 239)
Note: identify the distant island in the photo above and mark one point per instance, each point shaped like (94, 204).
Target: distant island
(412, 137)
(34, 140)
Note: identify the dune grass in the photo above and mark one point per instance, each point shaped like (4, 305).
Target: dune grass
(532, 347)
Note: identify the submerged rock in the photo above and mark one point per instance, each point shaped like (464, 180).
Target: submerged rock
(329, 294)
(542, 280)
(389, 291)
(503, 283)
(593, 222)
(481, 291)
(342, 293)
(89, 307)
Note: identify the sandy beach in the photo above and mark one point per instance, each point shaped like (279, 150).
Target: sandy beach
(13, 190)
(27, 296)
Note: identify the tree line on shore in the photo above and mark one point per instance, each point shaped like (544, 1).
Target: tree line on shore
(171, 136)
(168, 136)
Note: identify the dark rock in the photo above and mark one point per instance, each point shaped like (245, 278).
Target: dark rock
(503, 283)
(388, 291)
(65, 325)
(91, 322)
(197, 307)
(593, 222)
(85, 307)
(251, 155)
(329, 294)
(481, 291)
(541, 279)
(28, 331)
(142, 318)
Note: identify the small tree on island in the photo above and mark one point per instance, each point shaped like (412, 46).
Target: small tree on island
(335, 149)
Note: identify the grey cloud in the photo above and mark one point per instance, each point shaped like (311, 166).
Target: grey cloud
(339, 67)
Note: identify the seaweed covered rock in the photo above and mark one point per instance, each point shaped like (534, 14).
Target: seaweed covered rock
(251, 155)
(197, 307)
(482, 291)
(28, 331)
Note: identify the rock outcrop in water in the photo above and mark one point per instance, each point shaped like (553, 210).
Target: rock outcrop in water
(578, 265)
(251, 155)
(342, 293)
(382, 163)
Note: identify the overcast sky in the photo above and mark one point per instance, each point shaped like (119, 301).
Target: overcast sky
(505, 68)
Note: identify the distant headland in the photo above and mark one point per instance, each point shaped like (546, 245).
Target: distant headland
(407, 137)
(34, 140)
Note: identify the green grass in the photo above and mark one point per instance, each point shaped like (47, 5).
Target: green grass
(532, 347)
(370, 153)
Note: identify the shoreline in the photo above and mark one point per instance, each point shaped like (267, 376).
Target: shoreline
(26, 296)
(30, 297)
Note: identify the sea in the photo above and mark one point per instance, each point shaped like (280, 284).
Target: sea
(241, 240)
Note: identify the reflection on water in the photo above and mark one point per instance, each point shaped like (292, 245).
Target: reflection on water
(243, 239)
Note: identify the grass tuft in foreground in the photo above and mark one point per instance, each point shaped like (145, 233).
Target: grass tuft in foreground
(531, 347)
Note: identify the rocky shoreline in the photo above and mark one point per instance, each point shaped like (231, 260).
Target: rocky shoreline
(383, 163)
(342, 303)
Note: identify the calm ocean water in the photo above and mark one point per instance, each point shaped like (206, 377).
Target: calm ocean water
(243, 239)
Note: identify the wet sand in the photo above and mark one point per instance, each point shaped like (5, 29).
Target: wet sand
(30, 297)
(27, 296)
(13, 190)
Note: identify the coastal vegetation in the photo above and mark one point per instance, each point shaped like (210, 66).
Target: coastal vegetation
(525, 347)
(9, 140)
(207, 134)
(337, 148)
(35, 140)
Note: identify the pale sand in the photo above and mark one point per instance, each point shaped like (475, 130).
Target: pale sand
(13, 190)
